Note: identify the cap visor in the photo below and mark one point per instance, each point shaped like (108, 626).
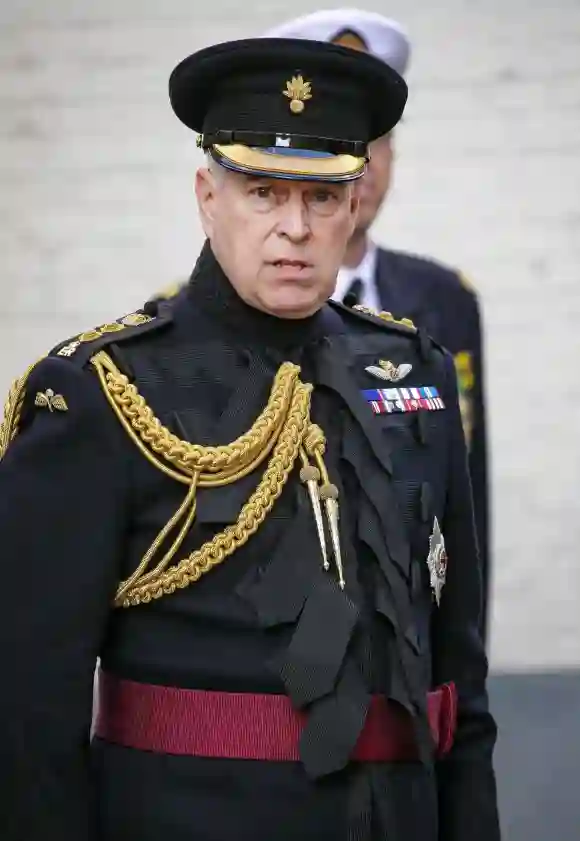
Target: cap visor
(289, 163)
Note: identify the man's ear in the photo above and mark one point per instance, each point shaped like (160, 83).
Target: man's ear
(205, 191)
(354, 208)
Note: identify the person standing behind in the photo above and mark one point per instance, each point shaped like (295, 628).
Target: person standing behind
(433, 296)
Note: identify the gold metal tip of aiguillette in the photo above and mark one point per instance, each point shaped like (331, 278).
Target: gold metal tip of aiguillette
(310, 476)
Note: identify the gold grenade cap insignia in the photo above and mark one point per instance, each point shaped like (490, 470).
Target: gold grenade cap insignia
(298, 91)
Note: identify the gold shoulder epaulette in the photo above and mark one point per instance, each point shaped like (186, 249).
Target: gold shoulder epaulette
(71, 346)
(13, 410)
(82, 348)
(15, 400)
(386, 316)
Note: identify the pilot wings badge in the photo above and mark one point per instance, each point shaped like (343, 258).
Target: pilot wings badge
(51, 401)
(437, 561)
(387, 370)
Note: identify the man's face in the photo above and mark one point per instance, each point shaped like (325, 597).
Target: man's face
(373, 186)
(280, 243)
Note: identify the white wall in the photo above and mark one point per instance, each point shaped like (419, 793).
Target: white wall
(96, 212)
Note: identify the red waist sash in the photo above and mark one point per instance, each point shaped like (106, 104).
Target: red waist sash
(236, 725)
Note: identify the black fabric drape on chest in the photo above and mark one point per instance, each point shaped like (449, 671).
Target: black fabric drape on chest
(381, 541)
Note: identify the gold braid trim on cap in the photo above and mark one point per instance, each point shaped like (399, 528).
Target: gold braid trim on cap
(13, 410)
(283, 431)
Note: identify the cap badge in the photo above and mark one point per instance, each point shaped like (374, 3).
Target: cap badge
(297, 91)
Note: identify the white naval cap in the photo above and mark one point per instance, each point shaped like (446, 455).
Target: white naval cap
(367, 31)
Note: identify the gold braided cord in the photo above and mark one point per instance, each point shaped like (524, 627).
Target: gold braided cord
(140, 573)
(251, 517)
(180, 459)
(13, 410)
(283, 432)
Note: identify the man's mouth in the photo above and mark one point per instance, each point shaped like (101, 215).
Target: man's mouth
(293, 264)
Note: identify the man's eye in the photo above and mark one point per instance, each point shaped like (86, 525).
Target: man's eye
(325, 197)
(262, 192)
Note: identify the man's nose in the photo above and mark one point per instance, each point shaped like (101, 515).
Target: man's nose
(294, 221)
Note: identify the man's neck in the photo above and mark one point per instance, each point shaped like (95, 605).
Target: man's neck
(355, 250)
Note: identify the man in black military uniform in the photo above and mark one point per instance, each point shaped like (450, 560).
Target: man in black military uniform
(267, 544)
(433, 295)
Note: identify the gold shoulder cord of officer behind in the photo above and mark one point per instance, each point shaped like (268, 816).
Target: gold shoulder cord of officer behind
(283, 433)
(13, 410)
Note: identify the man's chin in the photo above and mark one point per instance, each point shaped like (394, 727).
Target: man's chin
(292, 307)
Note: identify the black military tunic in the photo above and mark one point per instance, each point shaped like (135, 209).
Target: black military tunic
(80, 505)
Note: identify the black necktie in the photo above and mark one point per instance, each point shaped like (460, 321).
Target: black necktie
(353, 294)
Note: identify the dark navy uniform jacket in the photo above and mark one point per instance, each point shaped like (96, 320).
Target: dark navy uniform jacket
(440, 300)
(79, 506)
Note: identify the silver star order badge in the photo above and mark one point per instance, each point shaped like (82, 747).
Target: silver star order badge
(387, 370)
(437, 561)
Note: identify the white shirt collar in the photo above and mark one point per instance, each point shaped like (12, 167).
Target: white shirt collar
(365, 271)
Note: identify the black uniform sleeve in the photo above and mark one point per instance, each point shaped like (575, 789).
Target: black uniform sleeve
(478, 455)
(63, 487)
(467, 789)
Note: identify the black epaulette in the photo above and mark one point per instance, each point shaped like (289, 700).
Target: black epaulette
(155, 315)
(387, 320)
(380, 319)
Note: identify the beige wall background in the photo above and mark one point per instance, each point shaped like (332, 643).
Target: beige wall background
(96, 212)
